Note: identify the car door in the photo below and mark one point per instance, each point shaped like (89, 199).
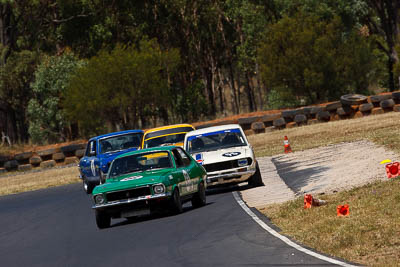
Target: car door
(181, 173)
(90, 163)
(188, 169)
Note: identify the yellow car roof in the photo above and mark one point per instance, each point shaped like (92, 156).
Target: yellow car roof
(168, 127)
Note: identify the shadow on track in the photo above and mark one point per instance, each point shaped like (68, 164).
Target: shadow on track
(155, 216)
(227, 189)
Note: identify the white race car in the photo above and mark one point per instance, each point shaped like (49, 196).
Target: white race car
(225, 154)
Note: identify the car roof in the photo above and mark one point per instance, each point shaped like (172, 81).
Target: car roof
(168, 127)
(115, 134)
(152, 149)
(213, 129)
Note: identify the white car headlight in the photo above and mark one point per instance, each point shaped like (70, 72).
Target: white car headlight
(99, 199)
(158, 189)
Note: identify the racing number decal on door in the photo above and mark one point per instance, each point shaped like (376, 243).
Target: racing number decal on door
(187, 180)
(92, 167)
(190, 183)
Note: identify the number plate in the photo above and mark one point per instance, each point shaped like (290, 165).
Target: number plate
(133, 213)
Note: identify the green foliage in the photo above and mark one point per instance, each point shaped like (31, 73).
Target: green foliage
(46, 116)
(277, 99)
(190, 103)
(312, 59)
(351, 12)
(121, 88)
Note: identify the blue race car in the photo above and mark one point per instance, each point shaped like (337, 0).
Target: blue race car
(101, 150)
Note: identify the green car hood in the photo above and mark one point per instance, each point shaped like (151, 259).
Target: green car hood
(132, 180)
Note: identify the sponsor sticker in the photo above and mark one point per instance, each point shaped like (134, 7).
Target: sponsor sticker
(199, 158)
(131, 178)
(231, 154)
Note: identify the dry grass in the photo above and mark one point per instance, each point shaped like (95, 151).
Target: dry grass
(37, 180)
(370, 235)
(381, 129)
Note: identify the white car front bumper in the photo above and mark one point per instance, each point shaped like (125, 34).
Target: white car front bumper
(237, 175)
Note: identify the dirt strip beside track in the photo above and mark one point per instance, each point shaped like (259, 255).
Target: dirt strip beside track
(321, 170)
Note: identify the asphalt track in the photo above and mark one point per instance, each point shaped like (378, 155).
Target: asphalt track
(56, 227)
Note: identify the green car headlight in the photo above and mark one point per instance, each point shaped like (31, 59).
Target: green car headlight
(99, 199)
(158, 188)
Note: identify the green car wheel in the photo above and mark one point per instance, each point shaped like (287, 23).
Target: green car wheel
(103, 220)
(199, 199)
(176, 202)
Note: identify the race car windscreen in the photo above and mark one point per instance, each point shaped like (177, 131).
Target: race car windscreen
(166, 137)
(120, 142)
(215, 140)
(140, 162)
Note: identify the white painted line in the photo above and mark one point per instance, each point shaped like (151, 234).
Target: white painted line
(283, 238)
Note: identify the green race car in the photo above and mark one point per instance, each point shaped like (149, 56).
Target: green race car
(149, 180)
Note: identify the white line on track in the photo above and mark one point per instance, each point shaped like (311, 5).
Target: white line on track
(283, 238)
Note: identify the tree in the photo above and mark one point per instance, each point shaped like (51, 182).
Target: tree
(384, 21)
(15, 92)
(124, 88)
(314, 61)
(47, 120)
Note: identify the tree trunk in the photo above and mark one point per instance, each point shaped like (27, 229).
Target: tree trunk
(234, 96)
(249, 92)
(5, 30)
(210, 92)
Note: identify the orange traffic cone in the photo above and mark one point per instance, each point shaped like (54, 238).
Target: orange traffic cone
(287, 145)
(392, 170)
(343, 210)
(308, 200)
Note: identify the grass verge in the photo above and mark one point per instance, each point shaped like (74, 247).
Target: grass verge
(370, 235)
(37, 180)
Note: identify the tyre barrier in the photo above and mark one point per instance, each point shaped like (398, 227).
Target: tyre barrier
(387, 105)
(58, 157)
(314, 111)
(268, 119)
(367, 107)
(279, 123)
(332, 107)
(245, 123)
(48, 164)
(353, 99)
(71, 160)
(323, 116)
(376, 111)
(376, 99)
(396, 97)
(11, 165)
(35, 161)
(47, 158)
(258, 127)
(80, 153)
(300, 119)
(24, 167)
(349, 106)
